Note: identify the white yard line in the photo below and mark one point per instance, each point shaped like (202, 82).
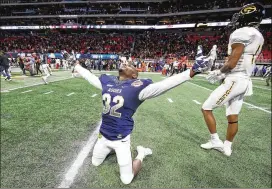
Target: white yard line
(70, 94)
(94, 95)
(261, 88)
(259, 108)
(251, 107)
(201, 86)
(77, 164)
(170, 100)
(196, 102)
(26, 91)
(48, 92)
(41, 83)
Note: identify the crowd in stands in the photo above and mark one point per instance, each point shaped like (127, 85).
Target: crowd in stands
(192, 5)
(120, 8)
(154, 44)
(145, 45)
(55, 42)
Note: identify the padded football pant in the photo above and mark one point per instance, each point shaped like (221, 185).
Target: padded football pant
(230, 93)
(121, 147)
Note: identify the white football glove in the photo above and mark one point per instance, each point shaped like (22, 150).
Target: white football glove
(214, 76)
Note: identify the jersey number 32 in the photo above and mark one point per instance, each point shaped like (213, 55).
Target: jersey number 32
(119, 100)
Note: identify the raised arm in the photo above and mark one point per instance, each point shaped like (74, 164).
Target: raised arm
(158, 88)
(91, 78)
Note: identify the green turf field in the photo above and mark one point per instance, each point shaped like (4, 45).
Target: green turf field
(42, 133)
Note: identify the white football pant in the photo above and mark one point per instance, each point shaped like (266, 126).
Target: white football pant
(230, 93)
(104, 146)
(46, 70)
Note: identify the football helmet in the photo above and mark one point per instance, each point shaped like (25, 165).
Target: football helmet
(250, 15)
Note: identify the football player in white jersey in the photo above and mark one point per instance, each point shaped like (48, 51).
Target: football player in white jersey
(47, 71)
(245, 44)
(213, 54)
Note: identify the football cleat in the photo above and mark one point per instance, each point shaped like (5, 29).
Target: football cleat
(227, 150)
(8, 79)
(213, 144)
(143, 150)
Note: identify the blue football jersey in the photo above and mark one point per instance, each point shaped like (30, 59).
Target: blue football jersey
(120, 101)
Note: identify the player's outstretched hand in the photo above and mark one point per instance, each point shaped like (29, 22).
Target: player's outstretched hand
(214, 76)
(202, 63)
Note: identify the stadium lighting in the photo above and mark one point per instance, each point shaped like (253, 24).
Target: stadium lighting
(140, 27)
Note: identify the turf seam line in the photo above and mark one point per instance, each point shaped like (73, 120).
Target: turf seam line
(170, 100)
(26, 91)
(70, 94)
(259, 108)
(196, 102)
(77, 164)
(48, 92)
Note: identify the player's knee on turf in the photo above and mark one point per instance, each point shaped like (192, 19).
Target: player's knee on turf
(97, 161)
(126, 178)
(126, 171)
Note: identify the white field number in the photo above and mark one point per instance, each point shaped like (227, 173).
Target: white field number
(119, 100)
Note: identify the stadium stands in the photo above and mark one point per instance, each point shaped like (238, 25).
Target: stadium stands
(148, 44)
(119, 8)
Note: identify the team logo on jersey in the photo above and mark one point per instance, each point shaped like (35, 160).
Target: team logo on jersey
(248, 10)
(137, 83)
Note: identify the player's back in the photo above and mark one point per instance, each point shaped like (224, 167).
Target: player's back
(120, 100)
(253, 41)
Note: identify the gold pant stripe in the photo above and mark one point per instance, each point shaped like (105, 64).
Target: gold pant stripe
(222, 98)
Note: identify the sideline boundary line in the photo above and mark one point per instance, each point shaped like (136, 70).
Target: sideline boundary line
(71, 174)
(41, 83)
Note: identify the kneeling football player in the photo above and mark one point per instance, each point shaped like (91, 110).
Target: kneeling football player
(121, 96)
